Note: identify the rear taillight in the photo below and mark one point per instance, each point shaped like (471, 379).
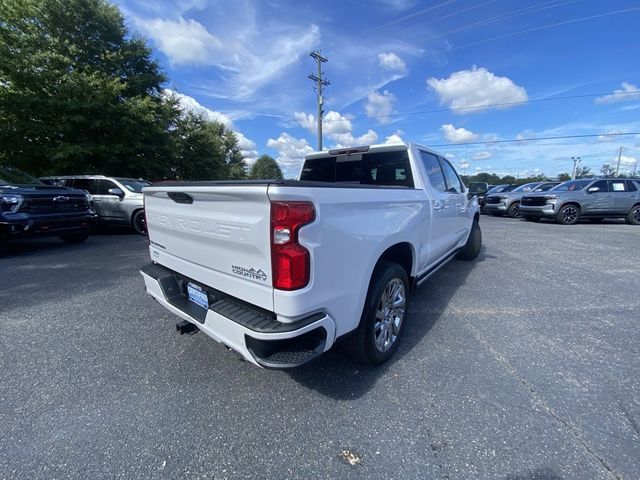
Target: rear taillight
(290, 261)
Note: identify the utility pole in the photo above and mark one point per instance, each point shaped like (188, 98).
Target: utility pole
(576, 161)
(619, 158)
(319, 83)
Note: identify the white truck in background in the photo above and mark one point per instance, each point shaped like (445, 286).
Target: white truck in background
(278, 270)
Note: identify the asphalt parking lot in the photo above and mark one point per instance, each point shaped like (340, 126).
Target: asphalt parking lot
(522, 365)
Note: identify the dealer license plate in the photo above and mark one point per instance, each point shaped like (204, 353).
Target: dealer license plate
(197, 295)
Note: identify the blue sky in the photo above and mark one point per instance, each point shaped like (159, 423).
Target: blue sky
(246, 63)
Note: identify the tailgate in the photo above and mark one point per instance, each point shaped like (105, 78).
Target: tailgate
(216, 235)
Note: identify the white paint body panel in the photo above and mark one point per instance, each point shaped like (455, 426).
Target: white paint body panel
(230, 225)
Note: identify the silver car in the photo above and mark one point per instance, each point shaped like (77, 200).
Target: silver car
(509, 202)
(117, 200)
(592, 199)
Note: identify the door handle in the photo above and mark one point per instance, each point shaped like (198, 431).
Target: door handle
(437, 205)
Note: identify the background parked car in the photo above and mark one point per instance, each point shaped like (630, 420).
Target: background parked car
(509, 202)
(29, 208)
(117, 200)
(594, 199)
(482, 198)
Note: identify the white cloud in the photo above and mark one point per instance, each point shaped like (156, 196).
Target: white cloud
(337, 127)
(348, 140)
(190, 104)
(391, 62)
(380, 105)
(185, 42)
(608, 138)
(477, 87)
(450, 156)
(398, 4)
(395, 137)
(628, 92)
(625, 160)
(457, 135)
(291, 153)
(482, 156)
(463, 165)
(248, 53)
(247, 146)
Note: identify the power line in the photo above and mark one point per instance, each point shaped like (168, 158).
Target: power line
(505, 16)
(543, 27)
(537, 139)
(507, 104)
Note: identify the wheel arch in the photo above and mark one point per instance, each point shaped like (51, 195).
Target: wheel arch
(400, 253)
(134, 212)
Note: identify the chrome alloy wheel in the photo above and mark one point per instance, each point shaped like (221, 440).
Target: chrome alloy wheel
(389, 315)
(570, 214)
(636, 214)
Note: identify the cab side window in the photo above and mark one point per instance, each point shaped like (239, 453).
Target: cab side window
(603, 185)
(454, 185)
(85, 184)
(433, 171)
(102, 187)
(618, 185)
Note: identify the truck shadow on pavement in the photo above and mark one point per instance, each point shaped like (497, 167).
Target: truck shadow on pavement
(335, 374)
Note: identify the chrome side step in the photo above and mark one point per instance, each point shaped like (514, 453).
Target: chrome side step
(425, 276)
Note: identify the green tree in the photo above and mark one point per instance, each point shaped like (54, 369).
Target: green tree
(206, 150)
(563, 177)
(265, 168)
(583, 172)
(78, 94)
(607, 170)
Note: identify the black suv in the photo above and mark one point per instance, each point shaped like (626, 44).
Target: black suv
(29, 208)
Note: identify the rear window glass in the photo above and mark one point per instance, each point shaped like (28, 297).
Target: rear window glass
(381, 168)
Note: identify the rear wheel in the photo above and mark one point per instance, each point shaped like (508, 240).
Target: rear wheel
(514, 210)
(376, 338)
(568, 215)
(472, 248)
(633, 217)
(75, 238)
(139, 222)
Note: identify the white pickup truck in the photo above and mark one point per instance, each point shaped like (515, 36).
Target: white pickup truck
(278, 270)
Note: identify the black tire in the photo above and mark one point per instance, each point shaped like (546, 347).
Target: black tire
(74, 238)
(633, 217)
(596, 220)
(514, 210)
(472, 248)
(363, 342)
(139, 222)
(529, 218)
(568, 214)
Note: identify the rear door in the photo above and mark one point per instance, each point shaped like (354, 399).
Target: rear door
(458, 199)
(216, 235)
(443, 205)
(624, 194)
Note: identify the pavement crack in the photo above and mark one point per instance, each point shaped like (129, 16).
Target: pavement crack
(537, 399)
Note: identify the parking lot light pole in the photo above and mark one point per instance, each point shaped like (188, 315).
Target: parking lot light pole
(576, 161)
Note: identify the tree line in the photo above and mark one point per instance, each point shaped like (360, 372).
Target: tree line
(581, 172)
(80, 94)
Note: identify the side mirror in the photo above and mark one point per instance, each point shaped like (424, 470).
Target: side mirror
(593, 189)
(116, 191)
